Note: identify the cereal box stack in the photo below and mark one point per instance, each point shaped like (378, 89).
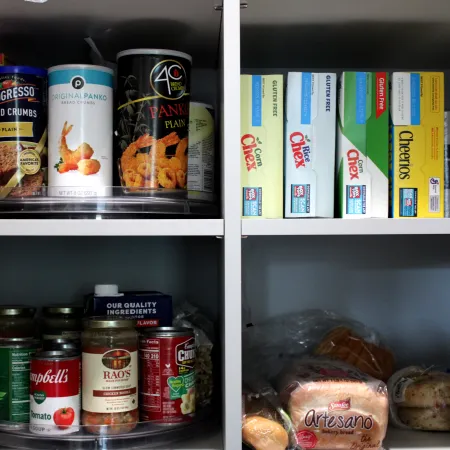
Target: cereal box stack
(262, 146)
(362, 156)
(417, 145)
(310, 140)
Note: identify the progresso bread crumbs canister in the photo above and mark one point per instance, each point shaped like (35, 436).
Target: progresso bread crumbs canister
(23, 131)
(152, 119)
(80, 130)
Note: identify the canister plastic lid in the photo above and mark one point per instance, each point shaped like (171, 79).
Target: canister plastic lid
(106, 290)
(26, 70)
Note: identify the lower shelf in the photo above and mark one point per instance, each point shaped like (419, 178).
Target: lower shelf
(202, 433)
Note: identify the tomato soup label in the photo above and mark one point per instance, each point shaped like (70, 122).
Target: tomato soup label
(55, 396)
(110, 380)
(167, 378)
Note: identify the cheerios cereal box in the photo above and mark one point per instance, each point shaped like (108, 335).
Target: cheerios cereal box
(310, 144)
(262, 146)
(363, 145)
(417, 145)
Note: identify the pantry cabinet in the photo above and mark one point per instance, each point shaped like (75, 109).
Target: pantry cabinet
(390, 274)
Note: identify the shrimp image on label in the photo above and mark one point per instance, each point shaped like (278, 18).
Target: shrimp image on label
(80, 131)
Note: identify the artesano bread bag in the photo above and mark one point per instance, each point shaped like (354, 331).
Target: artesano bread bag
(420, 399)
(333, 405)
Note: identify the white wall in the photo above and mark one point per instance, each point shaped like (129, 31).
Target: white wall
(399, 285)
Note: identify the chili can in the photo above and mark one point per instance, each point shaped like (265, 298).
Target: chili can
(80, 130)
(55, 402)
(15, 358)
(167, 365)
(23, 131)
(152, 120)
(110, 375)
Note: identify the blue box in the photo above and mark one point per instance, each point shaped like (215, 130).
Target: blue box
(150, 309)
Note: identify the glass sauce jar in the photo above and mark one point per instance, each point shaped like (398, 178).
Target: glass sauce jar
(62, 322)
(17, 322)
(110, 366)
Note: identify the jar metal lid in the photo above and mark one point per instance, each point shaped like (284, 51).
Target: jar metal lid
(63, 310)
(57, 354)
(21, 311)
(106, 322)
(167, 331)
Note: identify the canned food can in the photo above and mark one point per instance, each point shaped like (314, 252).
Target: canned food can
(15, 357)
(62, 344)
(80, 130)
(23, 131)
(167, 365)
(201, 151)
(55, 401)
(152, 120)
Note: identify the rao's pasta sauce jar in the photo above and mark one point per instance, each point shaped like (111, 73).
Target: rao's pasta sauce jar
(167, 366)
(110, 375)
(152, 120)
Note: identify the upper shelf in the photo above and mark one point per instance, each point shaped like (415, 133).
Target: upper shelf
(58, 28)
(113, 227)
(350, 34)
(286, 227)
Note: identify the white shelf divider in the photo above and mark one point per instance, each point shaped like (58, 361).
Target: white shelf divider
(111, 227)
(292, 227)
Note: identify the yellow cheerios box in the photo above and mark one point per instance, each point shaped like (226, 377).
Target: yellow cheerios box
(417, 145)
(262, 146)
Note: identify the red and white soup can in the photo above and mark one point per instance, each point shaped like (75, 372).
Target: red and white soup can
(55, 381)
(167, 366)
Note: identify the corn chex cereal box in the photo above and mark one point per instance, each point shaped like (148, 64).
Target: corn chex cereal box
(417, 144)
(262, 146)
(363, 145)
(310, 144)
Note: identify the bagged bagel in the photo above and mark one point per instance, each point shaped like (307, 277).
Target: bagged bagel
(420, 399)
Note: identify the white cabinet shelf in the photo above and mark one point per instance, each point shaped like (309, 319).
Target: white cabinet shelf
(397, 439)
(293, 227)
(119, 227)
(209, 442)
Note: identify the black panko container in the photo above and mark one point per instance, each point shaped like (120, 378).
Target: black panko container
(152, 120)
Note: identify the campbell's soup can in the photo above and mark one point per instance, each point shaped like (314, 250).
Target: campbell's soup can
(152, 121)
(80, 141)
(167, 369)
(55, 382)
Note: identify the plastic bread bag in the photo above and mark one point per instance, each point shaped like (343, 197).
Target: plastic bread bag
(270, 345)
(420, 399)
(187, 315)
(265, 425)
(333, 405)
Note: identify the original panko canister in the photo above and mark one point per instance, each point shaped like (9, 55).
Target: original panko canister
(152, 120)
(23, 131)
(80, 130)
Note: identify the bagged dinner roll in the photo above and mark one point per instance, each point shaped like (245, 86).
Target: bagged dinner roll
(420, 399)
